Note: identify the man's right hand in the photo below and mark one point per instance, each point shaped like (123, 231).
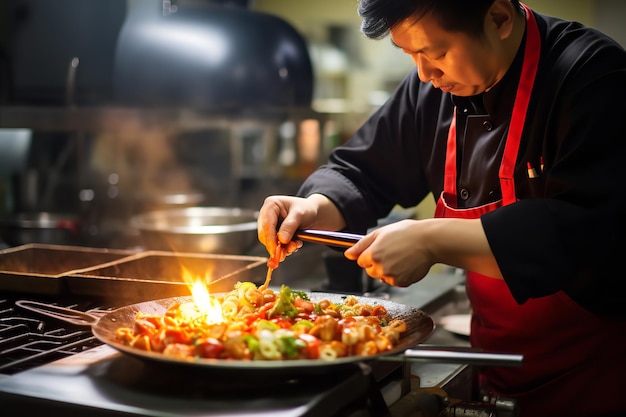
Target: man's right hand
(281, 216)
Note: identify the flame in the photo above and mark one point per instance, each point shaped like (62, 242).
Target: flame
(204, 306)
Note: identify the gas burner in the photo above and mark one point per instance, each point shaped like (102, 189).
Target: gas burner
(27, 341)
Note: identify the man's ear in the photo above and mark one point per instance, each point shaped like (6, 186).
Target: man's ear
(500, 17)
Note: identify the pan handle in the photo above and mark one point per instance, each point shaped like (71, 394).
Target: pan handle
(341, 239)
(457, 355)
(69, 315)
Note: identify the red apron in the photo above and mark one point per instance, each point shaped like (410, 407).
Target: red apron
(573, 359)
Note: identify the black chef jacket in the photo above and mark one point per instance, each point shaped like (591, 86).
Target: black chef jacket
(565, 231)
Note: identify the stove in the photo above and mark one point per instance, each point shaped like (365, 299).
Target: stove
(49, 366)
(28, 341)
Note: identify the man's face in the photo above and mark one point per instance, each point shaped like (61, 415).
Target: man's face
(452, 61)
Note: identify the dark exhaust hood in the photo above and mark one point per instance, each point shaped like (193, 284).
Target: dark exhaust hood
(210, 56)
(202, 55)
(39, 39)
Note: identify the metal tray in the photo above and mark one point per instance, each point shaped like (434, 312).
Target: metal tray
(37, 268)
(159, 274)
(118, 274)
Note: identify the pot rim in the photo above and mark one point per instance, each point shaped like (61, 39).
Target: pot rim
(149, 221)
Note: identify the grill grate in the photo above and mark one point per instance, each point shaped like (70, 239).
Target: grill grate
(27, 341)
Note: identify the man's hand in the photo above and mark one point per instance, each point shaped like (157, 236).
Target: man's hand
(402, 253)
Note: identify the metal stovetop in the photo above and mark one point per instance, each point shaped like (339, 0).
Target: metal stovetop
(85, 375)
(115, 384)
(47, 366)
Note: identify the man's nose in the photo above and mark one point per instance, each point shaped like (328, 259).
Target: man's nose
(425, 70)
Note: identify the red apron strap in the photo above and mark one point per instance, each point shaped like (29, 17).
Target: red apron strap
(520, 108)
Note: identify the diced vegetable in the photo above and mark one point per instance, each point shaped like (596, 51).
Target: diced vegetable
(284, 305)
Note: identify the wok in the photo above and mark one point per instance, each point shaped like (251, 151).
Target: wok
(419, 327)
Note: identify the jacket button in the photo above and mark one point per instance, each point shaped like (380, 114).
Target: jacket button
(464, 194)
(487, 125)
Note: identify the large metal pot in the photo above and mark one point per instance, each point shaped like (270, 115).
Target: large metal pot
(224, 230)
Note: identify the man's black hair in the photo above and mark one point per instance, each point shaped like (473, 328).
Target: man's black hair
(379, 16)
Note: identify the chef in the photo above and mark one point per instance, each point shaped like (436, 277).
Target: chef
(515, 122)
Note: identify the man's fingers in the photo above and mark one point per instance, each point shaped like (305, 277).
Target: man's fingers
(354, 252)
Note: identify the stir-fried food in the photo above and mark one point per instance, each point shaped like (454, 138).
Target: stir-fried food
(260, 324)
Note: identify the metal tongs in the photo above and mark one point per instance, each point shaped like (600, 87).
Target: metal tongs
(325, 237)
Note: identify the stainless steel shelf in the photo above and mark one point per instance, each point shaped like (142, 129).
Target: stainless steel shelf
(112, 119)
